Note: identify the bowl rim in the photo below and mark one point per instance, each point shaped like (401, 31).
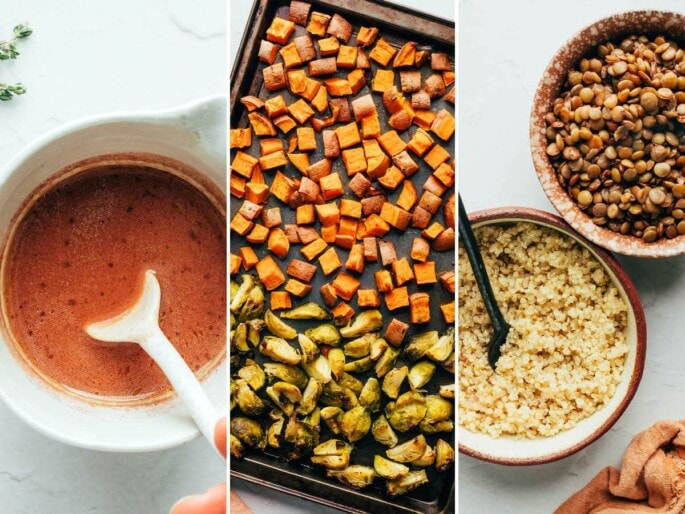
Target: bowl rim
(568, 209)
(536, 216)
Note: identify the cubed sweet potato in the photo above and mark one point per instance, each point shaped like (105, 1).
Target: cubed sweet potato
(355, 260)
(395, 216)
(383, 281)
(447, 279)
(345, 285)
(395, 332)
(305, 214)
(368, 298)
(342, 314)
(392, 143)
(424, 273)
(241, 225)
(328, 294)
(331, 148)
(420, 217)
(419, 308)
(297, 288)
(340, 28)
(387, 251)
(448, 312)
(329, 261)
(382, 80)
(420, 249)
(383, 52)
(318, 23)
(372, 204)
(313, 249)
(331, 186)
(268, 52)
(367, 36)
(301, 270)
(402, 271)
(270, 273)
(348, 135)
(258, 234)
(375, 226)
(249, 257)
(408, 196)
(240, 137)
(278, 243)
(354, 160)
(280, 30)
(279, 300)
(359, 185)
(307, 234)
(235, 261)
(306, 139)
(397, 298)
(328, 213)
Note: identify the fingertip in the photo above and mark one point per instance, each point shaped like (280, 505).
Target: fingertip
(221, 436)
(211, 502)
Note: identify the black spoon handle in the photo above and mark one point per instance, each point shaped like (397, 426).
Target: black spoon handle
(468, 240)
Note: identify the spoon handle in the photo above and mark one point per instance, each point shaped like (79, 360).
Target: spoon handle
(184, 382)
(470, 244)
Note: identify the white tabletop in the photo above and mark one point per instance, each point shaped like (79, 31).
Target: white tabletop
(87, 58)
(261, 499)
(505, 47)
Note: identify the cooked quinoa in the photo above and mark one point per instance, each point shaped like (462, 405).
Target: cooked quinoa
(565, 354)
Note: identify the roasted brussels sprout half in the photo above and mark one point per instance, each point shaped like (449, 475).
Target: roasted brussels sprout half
(441, 350)
(420, 374)
(310, 397)
(278, 327)
(279, 350)
(377, 348)
(386, 361)
(236, 447)
(406, 483)
(332, 454)
(437, 409)
(407, 411)
(427, 459)
(309, 310)
(301, 436)
(420, 344)
(408, 451)
(388, 469)
(333, 447)
(392, 381)
(239, 295)
(355, 423)
(253, 374)
(324, 334)
(319, 369)
(359, 366)
(356, 476)
(336, 361)
(239, 339)
(351, 382)
(366, 321)
(331, 416)
(370, 396)
(249, 432)
(286, 373)
(444, 455)
(335, 462)
(273, 433)
(254, 304)
(383, 432)
(447, 391)
(336, 396)
(247, 400)
(308, 348)
(360, 347)
(284, 396)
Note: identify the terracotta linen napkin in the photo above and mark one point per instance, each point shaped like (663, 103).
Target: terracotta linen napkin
(651, 478)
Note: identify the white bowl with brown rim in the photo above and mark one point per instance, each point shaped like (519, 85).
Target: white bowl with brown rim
(612, 28)
(510, 450)
(189, 141)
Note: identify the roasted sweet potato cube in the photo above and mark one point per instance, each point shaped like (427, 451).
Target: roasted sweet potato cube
(355, 260)
(297, 81)
(342, 314)
(329, 261)
(424, 273)
(419, 308)
(420, 249)
(423, 118)
(274, 77)
(392, 100)
(375, 226)
(345, 241)
(347, 226)
(241, 137)
(395, 332)
(301, 270)
(331, 148)
(372, 204)
(258, 234)
(363, 106)
(434, 186)
(359, 185)
(445, 240)
(347, 57)
(271, 217)
(250, 210)
(356, 79)
(297, 288)
(350, 208)
(305, 214)
(268, 52)
(410, 81)
(420, 217)
(299, 12)
(345, 285)
(306, 139)
(376, 165)
(392, 143)
(354, 160)
(440, 61)
(280, 30)
(445, 174)
(331, 186)
(329, 233)
(243, 164)
(348, 135)
(279, 300)
(257, 176)
(443, 125)
(342, 107)
(328, 294)
(392, 178)
(430, 202)
(301, 111)
(448, 312)
(436, 156)
(420, 58)
(340, 28)
(401, 120)
(278, 243)
(449, 97)
(251, 103)
(420, 142)
(237, 185)
(434, 86)
(249, 257)
(318, 23)
(405, 163)
(285, 123)
(421, 100)
(408, 196)
(305, 48)
(256, 192)
(384, 281)
(313, 249)
(448, 76)
(320, 102)
(382, 80)
(282, 187)
(319, 169)
(368, 298)
(273, 161)
(448, 279)
(270, 273)
(328, 213)
(235, 261)
(290, 55)
(275, 106)
(324, 66)
(337, 86)
(307, 234)
(269, 145)
(328, 46)
(383, 52)
(405, 57)
(241, 225)
(290, 230)
(387, 251)
(394, 216)
(397, 298)
(370, 249)
(300, 161)
(363, 62)
(367, 36)
(402, 271)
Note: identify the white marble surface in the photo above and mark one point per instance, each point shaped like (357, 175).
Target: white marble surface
(87, 58)
(261, 499)
(505, 47)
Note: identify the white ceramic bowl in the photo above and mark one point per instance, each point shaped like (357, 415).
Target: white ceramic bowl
(512, 451)
(194, 134)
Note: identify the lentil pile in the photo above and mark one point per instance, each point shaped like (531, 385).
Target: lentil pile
(616, 137)
(565, 354)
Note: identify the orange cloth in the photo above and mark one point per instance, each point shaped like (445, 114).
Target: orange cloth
(651, 478)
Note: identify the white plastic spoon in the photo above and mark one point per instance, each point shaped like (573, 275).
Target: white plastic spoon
(139, 324)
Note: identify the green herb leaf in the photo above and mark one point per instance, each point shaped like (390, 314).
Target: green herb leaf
(22, 30)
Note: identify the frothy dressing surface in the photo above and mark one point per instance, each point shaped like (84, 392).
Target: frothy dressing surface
(79, 256)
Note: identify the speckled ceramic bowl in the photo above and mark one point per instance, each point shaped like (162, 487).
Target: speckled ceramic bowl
(612, 28)
(512, 451)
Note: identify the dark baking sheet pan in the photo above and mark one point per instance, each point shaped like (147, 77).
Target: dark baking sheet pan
(397, 25)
